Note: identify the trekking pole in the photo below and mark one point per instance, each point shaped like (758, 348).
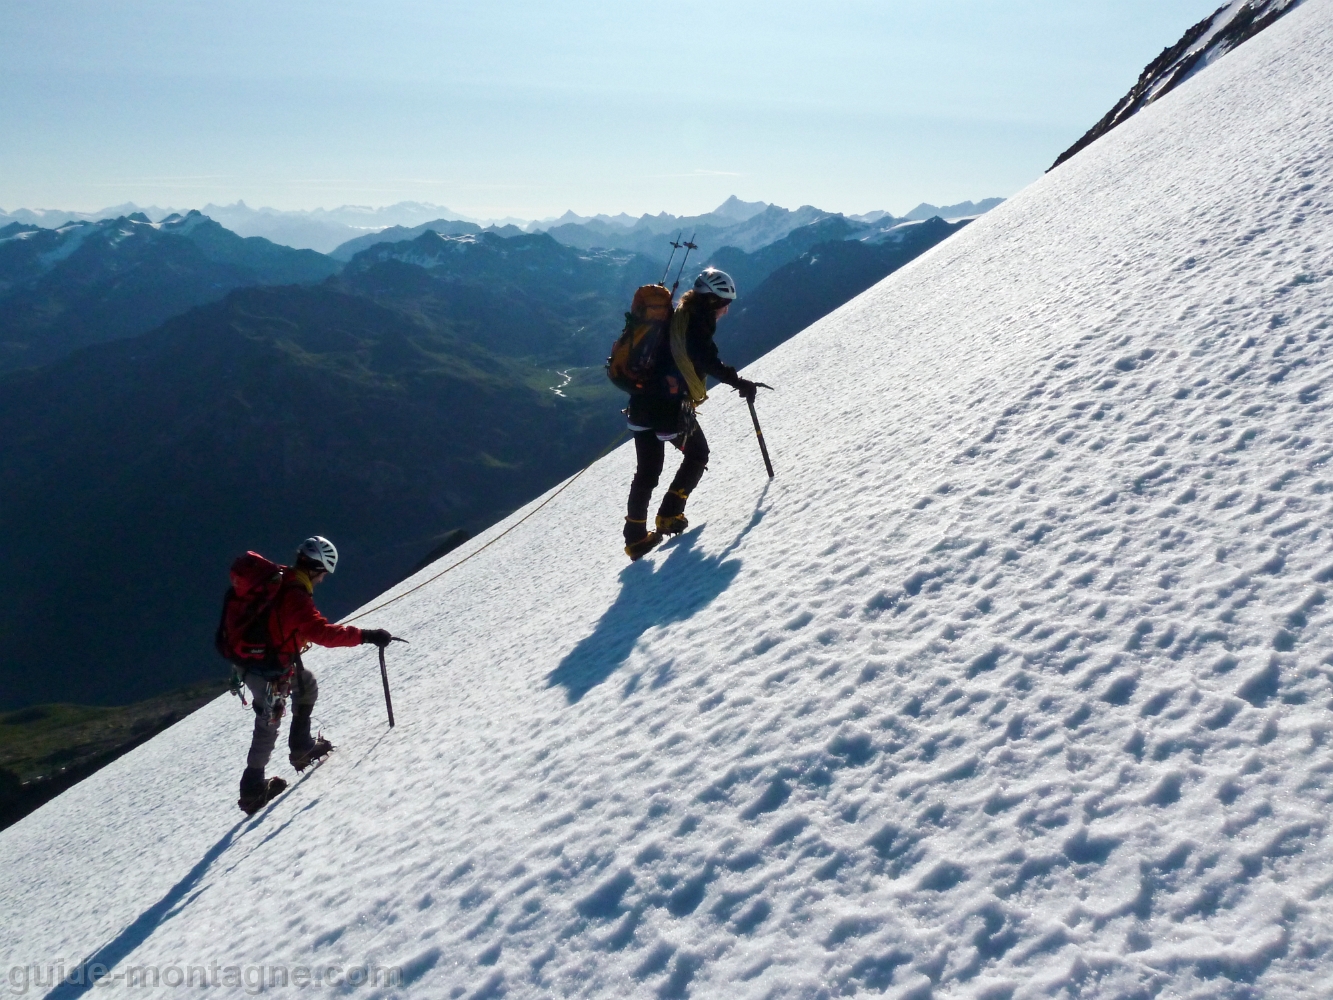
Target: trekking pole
(689, 245)
(676, 244)
(384, 676)
(763, 448)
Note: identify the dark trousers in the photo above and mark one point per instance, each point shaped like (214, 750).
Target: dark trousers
(651, 452)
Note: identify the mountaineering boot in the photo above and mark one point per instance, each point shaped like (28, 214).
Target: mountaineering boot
(299, 738)
(672, 525)
(303, 747)
(637, 550)
(638, 539)
(671, 515)
(317, 751)
(256, 792)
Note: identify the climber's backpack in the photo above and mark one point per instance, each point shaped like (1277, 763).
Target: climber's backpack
(635, 361)
(242, 637)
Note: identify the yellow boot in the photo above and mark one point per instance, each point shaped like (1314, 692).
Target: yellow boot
(639, 541)
(671, 516)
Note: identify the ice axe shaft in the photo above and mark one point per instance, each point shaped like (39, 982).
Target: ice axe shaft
(759, 433)
(384, 676)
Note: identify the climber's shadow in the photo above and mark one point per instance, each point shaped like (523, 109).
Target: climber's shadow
(87, 975)
(672, 591)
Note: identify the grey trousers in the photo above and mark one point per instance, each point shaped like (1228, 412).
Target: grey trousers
(270, 702)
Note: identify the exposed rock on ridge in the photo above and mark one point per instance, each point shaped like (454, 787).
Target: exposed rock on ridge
(1210, 39)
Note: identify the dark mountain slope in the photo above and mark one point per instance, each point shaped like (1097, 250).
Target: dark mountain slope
(21, 250)
(91, 282)
(133, 471)
(749, 270)
(399, 234)
(522, 296)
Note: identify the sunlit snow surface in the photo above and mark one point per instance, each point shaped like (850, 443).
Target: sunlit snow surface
(1013, 682)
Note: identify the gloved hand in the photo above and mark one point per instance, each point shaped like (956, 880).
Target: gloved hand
(377, 636)
(747, 389)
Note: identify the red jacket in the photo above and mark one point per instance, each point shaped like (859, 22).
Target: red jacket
(295, 623)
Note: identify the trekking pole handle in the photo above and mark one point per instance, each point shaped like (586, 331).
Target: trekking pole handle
(689, 245)
(675, 245)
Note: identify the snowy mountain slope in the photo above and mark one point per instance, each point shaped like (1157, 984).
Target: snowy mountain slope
(1013, 683)
(1204, 42)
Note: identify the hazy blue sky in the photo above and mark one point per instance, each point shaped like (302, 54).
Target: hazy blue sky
(529, 108)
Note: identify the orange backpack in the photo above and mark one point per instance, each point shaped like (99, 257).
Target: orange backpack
(636, 356)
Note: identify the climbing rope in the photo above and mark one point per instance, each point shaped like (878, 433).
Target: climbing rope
(564, 486)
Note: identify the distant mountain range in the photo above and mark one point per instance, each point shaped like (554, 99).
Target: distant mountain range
(732, 210)
(321, 229)
(525, 296)
(651, 234)
(747, 227)
(88, 282)
(398, 234)
(316, 229)
(390, 402)
(963, 209)
(327, 229)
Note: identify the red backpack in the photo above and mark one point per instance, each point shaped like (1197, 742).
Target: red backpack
(242, 637)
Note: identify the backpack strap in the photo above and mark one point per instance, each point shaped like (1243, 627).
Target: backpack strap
(680, 354)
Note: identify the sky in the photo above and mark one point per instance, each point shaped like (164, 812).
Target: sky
(526, 109)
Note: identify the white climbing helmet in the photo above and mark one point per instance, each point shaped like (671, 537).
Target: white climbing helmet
(319, 550)
(718, 282)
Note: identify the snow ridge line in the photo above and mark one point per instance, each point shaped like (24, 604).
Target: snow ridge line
(1221, 32)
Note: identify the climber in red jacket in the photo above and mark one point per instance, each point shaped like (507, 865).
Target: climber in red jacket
(294, 625)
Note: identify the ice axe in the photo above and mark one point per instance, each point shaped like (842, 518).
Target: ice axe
(758, 432)
(384, 676)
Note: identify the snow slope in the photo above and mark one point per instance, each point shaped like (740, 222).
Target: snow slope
(1015, 682)
(1231, 25)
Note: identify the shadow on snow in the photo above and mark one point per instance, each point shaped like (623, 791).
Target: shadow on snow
(84, 977)
(87, 975)
(650, 595)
